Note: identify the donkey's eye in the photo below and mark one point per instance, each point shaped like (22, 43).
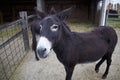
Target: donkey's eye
(40, 27)
(54, 27)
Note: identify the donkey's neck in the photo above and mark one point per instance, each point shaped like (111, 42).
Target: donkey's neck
(64, 37)
(61, 46)
(60, 49)
(62, 43)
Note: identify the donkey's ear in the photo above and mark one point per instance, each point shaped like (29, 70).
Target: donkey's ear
(40, 14)
(65, 13)
(52, 11)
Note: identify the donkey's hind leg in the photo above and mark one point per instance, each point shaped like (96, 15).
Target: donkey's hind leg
(108, 66)
(99, 63)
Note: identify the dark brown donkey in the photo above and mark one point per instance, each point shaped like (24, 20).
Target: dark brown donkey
(70, 47)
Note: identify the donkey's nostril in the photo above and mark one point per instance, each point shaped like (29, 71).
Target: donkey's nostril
(44, 50)
(41, 51)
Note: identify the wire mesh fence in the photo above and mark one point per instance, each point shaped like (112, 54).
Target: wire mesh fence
(11, 48)
(14, 45)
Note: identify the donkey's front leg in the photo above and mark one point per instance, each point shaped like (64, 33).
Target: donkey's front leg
(34, 45)
(34, 48)
(69, 72)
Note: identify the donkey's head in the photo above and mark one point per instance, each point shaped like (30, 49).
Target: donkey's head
(50, 30)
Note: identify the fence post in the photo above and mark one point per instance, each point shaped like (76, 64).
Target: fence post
(103, 13)
(106, 18)
(23, 15)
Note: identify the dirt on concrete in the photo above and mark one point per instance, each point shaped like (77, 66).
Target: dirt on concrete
(51, 69)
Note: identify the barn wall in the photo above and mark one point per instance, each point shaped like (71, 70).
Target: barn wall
(10, 9)
(85, 9)
(80, 13)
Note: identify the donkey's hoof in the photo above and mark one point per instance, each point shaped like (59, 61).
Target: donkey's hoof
(104, 77)
(96, 70)
(37, 59)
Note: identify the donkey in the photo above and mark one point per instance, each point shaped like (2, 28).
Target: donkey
(72, 48)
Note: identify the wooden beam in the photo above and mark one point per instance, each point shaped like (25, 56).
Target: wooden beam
(40, 5)
(98, 10)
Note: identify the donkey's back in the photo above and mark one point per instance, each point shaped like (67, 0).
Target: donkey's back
(95, 44)
(106, 33)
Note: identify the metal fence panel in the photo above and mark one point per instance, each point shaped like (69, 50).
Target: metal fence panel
(11, 48)
(14, 44)
(113, 21)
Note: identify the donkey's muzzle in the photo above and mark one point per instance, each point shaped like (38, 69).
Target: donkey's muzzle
(42, 53)
(43, 47)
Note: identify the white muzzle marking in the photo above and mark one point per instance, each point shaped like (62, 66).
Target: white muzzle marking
(44, 43)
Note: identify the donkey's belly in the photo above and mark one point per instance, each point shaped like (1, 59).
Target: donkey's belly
(95, 56)
(93, 53)
(91, 58)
